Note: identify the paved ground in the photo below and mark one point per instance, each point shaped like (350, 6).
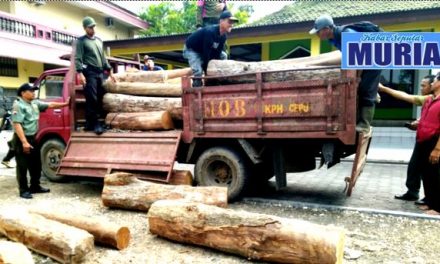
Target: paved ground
(383, 176)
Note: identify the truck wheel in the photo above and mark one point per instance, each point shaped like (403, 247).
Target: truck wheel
(52, 152)
(222, 166)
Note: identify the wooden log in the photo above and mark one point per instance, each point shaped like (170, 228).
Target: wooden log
(148, 89)
(254, 236)
(284, 71)
(124, 190)
(181, 177)
(61, 242)
(121, 103)
(151, 76)
(157, 120)
(104, 232)
(14, 253)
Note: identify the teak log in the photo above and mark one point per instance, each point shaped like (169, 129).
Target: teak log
(121, 103)
(152, 76)
(14, 253)
(283, 71)
(157, 120)
(124, 190)
(254, 236)
(144, 89)
(64, 243)
(104, 232)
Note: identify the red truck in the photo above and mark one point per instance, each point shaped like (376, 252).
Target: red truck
(237, 135)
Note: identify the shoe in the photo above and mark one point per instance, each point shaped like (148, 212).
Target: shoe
(39, 189)
(98, 130)
(26, 195)
(7, 164)
(421, 202)
(406, 197)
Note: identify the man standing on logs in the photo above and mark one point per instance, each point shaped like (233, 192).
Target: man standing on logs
(149, 64)
(25, 115)
(90, 64)
(367, 90)
(207, 44)
(208, 12)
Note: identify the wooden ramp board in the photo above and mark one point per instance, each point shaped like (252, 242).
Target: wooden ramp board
(149, 153)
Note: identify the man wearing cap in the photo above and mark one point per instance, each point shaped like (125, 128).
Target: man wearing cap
(25, 115)
(149, 64)
(90, 64)
(367, 89)
(207, 44)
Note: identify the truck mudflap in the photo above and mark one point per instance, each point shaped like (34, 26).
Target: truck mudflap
(362, 146)
(149, 155)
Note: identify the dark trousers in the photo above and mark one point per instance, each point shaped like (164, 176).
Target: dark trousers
(94, 93)
(368, 87)
(11, 152)
(27, 162)
(413, 175)
(430, 172)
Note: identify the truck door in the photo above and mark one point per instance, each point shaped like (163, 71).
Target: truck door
(51, 90)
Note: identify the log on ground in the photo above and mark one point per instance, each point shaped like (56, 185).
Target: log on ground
(14, 253)
(61, 242)
(145, 89)
(124, 190)
(152, 76)
(121, 103)
(104, 232)
(254, 236)
(157, 120)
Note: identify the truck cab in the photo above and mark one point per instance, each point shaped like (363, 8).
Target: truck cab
(55, 125)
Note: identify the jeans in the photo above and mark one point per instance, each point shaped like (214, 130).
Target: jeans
(368, 87)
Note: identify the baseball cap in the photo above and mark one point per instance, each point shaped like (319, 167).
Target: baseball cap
(88, 22)
(322, 22)
(228, 14)
(146, 57)
(26, 87)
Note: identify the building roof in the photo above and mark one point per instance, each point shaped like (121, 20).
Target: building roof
(302, 11)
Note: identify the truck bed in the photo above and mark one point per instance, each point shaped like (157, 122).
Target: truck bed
(323, 108)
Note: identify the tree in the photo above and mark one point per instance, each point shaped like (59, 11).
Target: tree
(166, 18)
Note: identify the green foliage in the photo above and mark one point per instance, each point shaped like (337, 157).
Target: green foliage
(166, 18)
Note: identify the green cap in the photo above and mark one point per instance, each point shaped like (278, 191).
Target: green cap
(88, 22)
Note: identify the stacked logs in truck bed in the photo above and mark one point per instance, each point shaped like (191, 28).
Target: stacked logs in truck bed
(144, 100)
(151, 100)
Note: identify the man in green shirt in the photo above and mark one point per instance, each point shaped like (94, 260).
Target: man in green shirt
(25, 116)
(90, 64)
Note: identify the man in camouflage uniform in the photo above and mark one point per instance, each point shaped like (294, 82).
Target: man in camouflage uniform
(25, 115)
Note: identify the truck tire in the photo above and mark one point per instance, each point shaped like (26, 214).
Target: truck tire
(52, 152)
(221, 166)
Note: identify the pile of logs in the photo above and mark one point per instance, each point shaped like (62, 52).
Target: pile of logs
(64, 237)
(197, 215)
(144, 100)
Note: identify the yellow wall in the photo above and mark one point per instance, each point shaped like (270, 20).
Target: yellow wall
(26, 69)
(68, 17)
(4, 6)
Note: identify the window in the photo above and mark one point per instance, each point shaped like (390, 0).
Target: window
(51, 87)
(8, 67)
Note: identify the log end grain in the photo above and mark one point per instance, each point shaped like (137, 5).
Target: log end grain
(123, 238)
